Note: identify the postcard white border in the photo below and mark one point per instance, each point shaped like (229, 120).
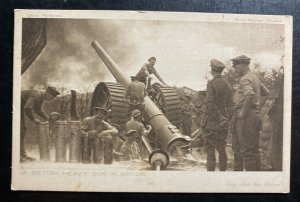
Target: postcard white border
(151, 181)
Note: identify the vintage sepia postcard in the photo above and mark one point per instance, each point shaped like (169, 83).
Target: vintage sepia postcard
(134, 101)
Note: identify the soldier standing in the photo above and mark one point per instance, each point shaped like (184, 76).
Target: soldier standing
(95, 127)
(32, 101)
(135, 94)
(246, 121)
(187, 113)
(215, 121)
(148, 69)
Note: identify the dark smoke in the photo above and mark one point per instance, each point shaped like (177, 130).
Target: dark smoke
(68, 59)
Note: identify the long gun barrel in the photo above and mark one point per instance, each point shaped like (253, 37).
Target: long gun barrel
(167, 135)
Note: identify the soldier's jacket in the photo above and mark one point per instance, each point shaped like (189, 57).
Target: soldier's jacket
(130, 150)
(135, 92)
(147, 70)
(188, 109)
(93, 124)
(218, 100)
(199, 111)
(135, 125)
(32, 101)
(249, 85)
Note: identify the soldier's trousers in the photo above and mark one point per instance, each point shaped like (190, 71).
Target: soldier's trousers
(186, 125)
(245, 142)
(216, 140)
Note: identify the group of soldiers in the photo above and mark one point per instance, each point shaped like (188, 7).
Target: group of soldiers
(222, 111)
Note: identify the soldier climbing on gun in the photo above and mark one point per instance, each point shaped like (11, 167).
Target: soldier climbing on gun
(148, 69)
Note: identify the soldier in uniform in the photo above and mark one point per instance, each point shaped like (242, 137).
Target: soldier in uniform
(135, 94)
(32, 103)
(246, 121)
(215, 121)
(95, 127)
(130, 149)
(148, 69)
(135, 124)
(187, 113)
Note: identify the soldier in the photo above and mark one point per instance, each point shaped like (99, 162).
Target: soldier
(215, 122)
(246, 121)
(187, 113)
(95, 127)
(130, 148)
(147, 69)
(135, 94)
(32, 101)
(135, 124)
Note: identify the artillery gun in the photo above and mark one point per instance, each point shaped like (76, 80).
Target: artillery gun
(165, 136)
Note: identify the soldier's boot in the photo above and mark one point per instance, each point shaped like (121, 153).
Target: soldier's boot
(222, 159)
(211, 159)
(251, 164)
(238, 162)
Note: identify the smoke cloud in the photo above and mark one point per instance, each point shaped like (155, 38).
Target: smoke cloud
(183, 50)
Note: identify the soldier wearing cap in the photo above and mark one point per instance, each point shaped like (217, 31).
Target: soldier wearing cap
(215, 121)
(95, 127)
(135, 124)
(187, 114)
(148, 69)
(135, 94)
(32, 104)
(246, 122)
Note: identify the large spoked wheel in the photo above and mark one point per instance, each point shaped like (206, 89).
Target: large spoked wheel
(168, 101)
(111, 96)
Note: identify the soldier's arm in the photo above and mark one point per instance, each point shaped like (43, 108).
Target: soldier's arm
(147, 131)
(39, 111)
(211, 107)
(158, 76)
(84, 126)
(230, 103)
(248, 91)
(28, 108)
(109, 128)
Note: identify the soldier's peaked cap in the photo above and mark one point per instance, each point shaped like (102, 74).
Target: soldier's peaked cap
(242, 59)
(217, 65)
(53, 90)
(102, 110)
(135, 113)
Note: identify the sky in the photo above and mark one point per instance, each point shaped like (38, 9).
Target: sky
(183, 50)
